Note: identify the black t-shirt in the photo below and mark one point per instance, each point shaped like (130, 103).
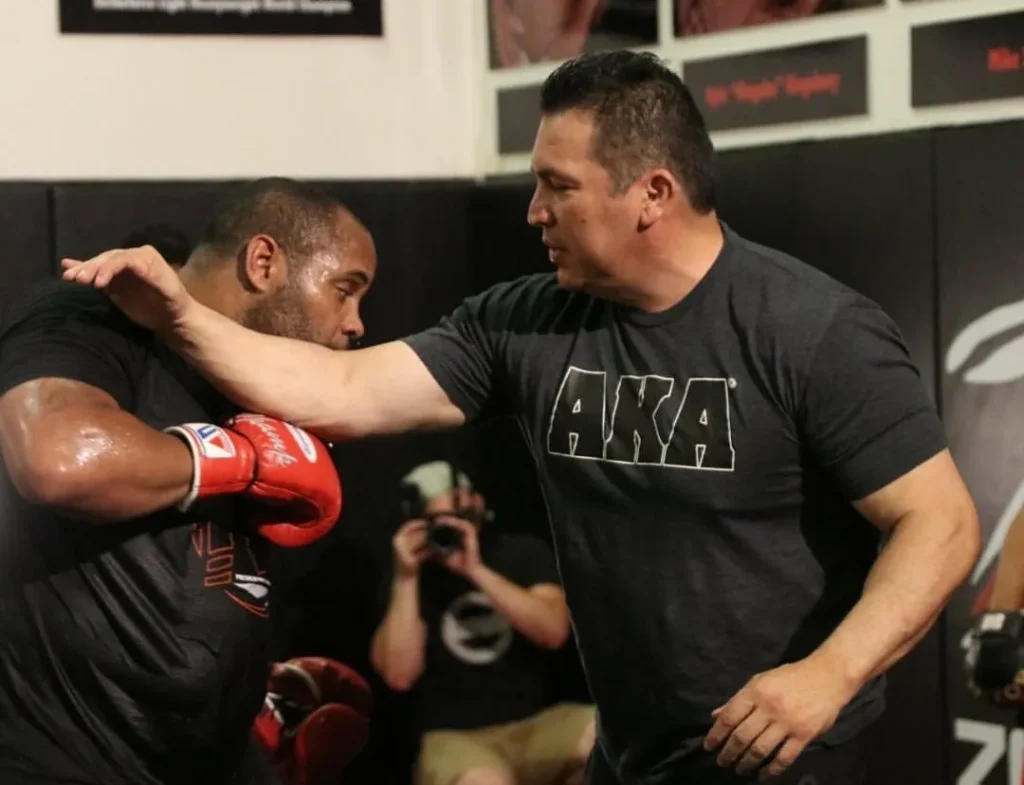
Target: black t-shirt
(132, 652)
(478, 670)
(698, 465)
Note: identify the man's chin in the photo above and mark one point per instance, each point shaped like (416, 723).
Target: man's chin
(567, 280)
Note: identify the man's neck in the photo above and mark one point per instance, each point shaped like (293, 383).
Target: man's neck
(670, 263)
(208, 285)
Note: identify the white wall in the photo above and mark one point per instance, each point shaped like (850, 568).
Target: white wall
(888, 30)
(112, 106)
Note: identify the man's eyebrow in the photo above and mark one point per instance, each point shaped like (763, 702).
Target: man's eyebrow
(357, 275)
(547, 173)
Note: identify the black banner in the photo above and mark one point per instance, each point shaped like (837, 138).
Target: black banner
(812, 82)
(981, 309)
(223, 17)
(968, 60)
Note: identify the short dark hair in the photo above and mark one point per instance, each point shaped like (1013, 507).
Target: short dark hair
(170, 242)
(644, 116)
(299, 216)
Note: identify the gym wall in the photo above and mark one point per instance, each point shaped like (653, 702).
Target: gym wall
(138, 107)
(925, 222)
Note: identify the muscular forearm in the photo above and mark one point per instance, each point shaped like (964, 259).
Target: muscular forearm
(1008, 591)
(339, 395)
(397, 647)
(287, 379)
(113, 469)
(919, 568)
(544, 621)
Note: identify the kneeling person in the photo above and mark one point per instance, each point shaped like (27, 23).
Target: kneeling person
(139, 508)
(473, 616)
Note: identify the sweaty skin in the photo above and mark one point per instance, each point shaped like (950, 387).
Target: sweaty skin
(69, 445)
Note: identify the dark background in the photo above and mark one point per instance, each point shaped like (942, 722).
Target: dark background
(926, 223)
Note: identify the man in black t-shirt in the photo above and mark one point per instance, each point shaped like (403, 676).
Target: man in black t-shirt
(473, 614)
(134, 588)
(723, 435)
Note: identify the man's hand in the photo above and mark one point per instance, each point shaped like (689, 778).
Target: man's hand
(466, 560)
(410, 547)
(777, 714)
(139, 281)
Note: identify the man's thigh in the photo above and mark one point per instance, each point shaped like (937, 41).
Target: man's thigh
(552, 750)
(447, 755)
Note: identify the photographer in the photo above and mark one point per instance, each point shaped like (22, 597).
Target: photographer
(473, 616)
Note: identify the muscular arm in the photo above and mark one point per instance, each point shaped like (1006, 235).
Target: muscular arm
(1008, 588)
(538, 612)
(69, 445)
(934, 542)
(337, 395)
(397, 649)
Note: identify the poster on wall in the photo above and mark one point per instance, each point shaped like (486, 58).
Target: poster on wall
(699, 17)
(968, 60)
(523, 32)
(223, 17)
(981, 307)
(795, 84)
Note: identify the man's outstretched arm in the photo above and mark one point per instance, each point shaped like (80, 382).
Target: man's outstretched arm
(337, 395)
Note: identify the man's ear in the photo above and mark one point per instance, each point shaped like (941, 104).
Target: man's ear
(659, 189)
(263, 264)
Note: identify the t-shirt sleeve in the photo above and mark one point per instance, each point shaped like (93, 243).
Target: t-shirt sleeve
(461, 354)
(70, 337)
(866, 416)
(536, 561)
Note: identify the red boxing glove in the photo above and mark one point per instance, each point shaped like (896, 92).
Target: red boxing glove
(315, 719)
(288, 471)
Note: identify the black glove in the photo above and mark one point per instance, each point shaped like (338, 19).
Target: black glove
(994, 658)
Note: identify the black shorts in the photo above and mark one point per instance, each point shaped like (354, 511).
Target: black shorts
(844, 764)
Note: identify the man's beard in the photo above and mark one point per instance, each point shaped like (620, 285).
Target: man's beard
(281, 314)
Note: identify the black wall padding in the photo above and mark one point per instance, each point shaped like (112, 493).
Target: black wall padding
(26, 231)
(980, 232)
(757, 193)
(92, 217)
(874, 232)
(863, 213)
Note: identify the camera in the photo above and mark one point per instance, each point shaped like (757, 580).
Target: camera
(443, 539)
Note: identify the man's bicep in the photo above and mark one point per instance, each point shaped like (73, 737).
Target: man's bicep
(389, 390)
(866, 418)
(934, 484)
(460, 356)
(36, 415)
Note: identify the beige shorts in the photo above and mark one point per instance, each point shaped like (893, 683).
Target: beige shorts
(539, 750)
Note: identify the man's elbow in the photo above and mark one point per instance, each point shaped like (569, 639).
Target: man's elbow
(557, 634)
(43, 479)
(967, 538)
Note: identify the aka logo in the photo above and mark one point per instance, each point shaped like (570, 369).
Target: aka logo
(653, 422)
(230, 565)
(474, 631)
